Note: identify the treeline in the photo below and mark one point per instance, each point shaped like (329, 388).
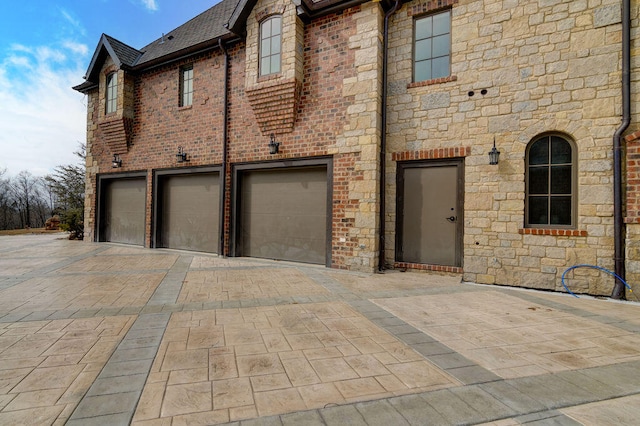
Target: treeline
(28, 201)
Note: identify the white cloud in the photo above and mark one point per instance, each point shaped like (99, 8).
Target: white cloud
(47, 54)
(75, 23)
(41, 117)
(77, 48)
(150, 4)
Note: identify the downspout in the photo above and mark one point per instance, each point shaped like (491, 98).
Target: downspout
(225, 148)
(618, 225)
(383, 139)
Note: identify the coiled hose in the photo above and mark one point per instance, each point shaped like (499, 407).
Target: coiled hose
(594, 267)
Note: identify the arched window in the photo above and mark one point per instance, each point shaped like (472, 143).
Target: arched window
(111, 97)
(270, 45)
(550, 183)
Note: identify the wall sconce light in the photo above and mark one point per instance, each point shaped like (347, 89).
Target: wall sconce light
(274, 146)
(494, 154)
(181, 156)
(116, 163)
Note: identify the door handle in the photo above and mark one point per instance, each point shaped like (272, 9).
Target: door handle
(451, 218)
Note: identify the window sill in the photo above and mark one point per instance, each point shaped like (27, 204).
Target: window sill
(432, 81)
(185, 108)
(553, 232)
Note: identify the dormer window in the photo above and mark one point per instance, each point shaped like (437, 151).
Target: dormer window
(112, 93)
(270, 45)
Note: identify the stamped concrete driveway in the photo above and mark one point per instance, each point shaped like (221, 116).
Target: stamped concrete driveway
(110, 334)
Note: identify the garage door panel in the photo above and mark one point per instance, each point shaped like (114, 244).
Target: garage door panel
(190, 213)
(124, 213)
(284, 214)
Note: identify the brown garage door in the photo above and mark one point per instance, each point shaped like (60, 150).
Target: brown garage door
(284, 214)
(189, 217)
(124, 211)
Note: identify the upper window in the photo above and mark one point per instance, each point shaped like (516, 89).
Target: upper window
(432, 47)
(186, 85)
(550, 180)
(112, 93)
(270, 43)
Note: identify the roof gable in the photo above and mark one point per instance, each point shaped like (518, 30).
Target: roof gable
(123, 56)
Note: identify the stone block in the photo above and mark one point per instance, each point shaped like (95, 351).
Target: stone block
(436, 100)
(607, 15)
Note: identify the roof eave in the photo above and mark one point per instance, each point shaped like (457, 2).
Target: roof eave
(308, 9)
(85, 87)
(195, 49)
(236, 23)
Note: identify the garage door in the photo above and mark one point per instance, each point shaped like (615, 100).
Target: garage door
(124, 211)
(189, 217)
(284, 214)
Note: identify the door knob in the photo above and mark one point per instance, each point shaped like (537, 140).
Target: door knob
(451, 218)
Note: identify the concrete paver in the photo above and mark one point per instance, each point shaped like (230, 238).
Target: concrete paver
(112, 334)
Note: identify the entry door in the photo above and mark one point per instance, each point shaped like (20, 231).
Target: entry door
(430, 217)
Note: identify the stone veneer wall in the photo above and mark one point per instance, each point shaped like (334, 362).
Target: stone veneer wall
(546, 66)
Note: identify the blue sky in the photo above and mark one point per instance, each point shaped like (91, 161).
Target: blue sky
(45, 49)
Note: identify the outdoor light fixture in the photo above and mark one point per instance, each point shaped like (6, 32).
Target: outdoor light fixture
(273, 145)
(494, 154)
(181, 156)
(116, 163)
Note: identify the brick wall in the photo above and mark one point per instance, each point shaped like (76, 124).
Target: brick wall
(327, 115)
(321, 118)
(632, 218)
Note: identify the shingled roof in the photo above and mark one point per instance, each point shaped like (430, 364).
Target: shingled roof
(202, 30)
(223, 21)
(127, 55)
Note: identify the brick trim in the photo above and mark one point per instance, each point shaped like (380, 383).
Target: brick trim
(433, 81)
(116, 134)
(275, 104)
(633, 136)
(430, 6)
(108, 70)
(274, 9)
(553, 232)
(431, 154)
(427, 267)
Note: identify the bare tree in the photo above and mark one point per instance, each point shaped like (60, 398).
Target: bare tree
(26, 193)
(28, 201)
(7, 210)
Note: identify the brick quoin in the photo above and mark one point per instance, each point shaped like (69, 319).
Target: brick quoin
(633, 179)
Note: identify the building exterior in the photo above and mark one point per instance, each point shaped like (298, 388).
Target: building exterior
(355, 134)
